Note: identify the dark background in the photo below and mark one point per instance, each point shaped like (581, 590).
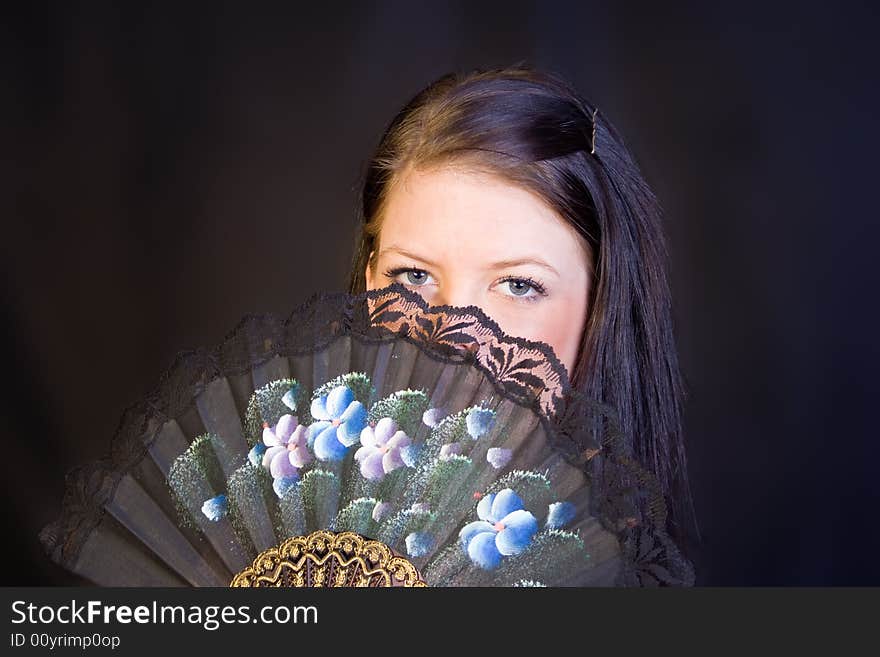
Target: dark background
(173, 168)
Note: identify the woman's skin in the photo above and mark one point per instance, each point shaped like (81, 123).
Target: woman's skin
(461, 238)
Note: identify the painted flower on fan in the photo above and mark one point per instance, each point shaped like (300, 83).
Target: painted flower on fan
(255, 456)
(215, 508)
(560, 514)
(286, 449)
(340, 419)
(283, 484)
(418, 544)
(381, 511)
(381, 449)
(289, 398)
(498, 457)
(432, 416)
(505, 528)
(479, 421)
(420, 507)
(411, 453)
(449, 450)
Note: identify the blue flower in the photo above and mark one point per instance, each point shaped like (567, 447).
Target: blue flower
(560, 514)
(282, 484)
(504, 529)
(410, 454)
(479, 421)
(340, 421)
(289, 397)
(418, 544)
(215, 508)
(255, 456)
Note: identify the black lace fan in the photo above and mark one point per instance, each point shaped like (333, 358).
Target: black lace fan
(368, 440)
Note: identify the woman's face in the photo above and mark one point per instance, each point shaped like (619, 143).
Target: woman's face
(463, 238)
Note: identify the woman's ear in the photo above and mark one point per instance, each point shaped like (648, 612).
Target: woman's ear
(368, 272)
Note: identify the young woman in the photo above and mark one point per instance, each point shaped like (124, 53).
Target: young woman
(507, 190)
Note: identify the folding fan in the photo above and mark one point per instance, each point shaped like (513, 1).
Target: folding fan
(367, 440)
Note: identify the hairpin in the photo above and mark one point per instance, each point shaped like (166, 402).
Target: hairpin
(593, 139)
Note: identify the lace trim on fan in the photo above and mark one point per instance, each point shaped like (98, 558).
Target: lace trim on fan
(525, 367)
(628, 500)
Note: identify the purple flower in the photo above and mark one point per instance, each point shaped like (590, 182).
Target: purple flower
(432, 416)
(340, 418)
(504, 529)
(449, 449)
(380, 451)
(286, 450)
(498, 457)
(381, 511)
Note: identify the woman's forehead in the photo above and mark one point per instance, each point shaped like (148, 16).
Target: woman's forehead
(466, 215)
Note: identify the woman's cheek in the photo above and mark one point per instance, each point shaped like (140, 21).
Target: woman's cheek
(556, 324)
(526, 322)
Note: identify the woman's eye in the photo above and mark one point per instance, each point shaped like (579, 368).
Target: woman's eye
(522, 288)
(519, 288)
(416, 277)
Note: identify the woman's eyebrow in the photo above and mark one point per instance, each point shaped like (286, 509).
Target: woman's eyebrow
(495, 265)
(407, 254)
(522, 261)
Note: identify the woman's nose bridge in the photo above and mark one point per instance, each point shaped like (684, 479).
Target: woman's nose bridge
(457, 293)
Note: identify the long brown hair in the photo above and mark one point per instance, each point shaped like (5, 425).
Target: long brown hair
(533, 129)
